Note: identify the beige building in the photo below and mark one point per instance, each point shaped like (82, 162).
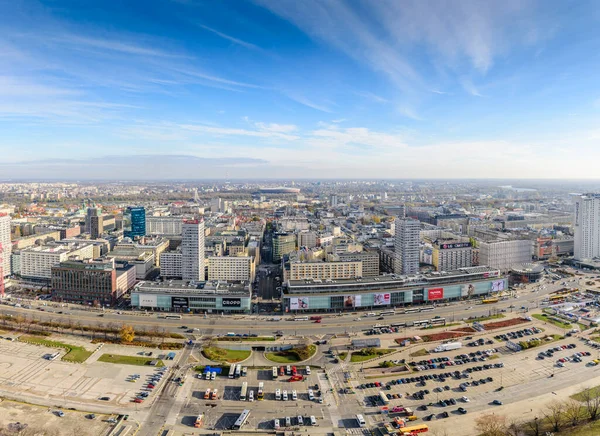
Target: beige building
(36, 262)
(229, 268)
(323, 270)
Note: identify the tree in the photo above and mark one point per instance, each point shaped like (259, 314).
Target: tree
(491, 425)
(127, 333)
(514, 428)
(554, 413)
(573, 412)
(592, 402)
(534, 426)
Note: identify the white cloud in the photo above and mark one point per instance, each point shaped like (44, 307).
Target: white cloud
(231, 38)
(276, 128)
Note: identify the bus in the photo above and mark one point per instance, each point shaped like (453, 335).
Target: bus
(198, 422)
(411, 310)
(490, 300)
(301, 318)
(172, 316)
(383, 398)
(399, 324)
(241, 420)
(414, 429)
(261, 391)
(244, 391)
(207, 394)
(387, 312)
(232, 371)
(238, 371)
(421, 322)
(438, 321)
(274, 372)
(426, 308)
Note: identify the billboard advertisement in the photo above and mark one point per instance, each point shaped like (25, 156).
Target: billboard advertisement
(180, 302)
(381, 299)
(467, 290)
(435, 294)
(491, 274)
(300, 303)
(231, 302)
(497, 285)
(148, 300)
(455, 245)
(351, 301)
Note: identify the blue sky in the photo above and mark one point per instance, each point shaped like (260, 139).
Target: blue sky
(288, 88)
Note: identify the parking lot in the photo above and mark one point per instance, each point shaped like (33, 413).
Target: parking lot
(25, 370)
(222, 413)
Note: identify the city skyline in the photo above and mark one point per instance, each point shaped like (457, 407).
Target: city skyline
(268, 89)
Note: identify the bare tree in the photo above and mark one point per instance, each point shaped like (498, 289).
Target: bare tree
(514, 428)
(534, 426)
(573, 411)
(111, 328)
(491, 425)
(554, 413)
(591, 399)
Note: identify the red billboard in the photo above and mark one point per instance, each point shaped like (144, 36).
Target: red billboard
(435, 294)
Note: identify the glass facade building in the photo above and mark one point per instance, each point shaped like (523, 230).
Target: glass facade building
(134, 222)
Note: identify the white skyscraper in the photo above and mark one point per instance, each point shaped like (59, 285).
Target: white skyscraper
(5, 241)
(406, 246)
(192, 250)
(587, 226)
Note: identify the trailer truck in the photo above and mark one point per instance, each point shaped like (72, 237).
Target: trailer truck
(447, 347)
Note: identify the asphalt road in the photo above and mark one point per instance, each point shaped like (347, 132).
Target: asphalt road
(260, 325)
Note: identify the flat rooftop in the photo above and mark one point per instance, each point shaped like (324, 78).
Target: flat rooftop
(179, 287)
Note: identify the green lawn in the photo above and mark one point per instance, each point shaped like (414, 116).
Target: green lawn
(419, 353)
(579, 395)
(247, 339)
(128, 360)
(343, 355)
(293, 355)
(361, 356)
(74, 354)
(486, 318)
(546, 318)
(591, 429)
(217, 354)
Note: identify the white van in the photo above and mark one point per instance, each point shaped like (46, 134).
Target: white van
(371, 314)
(307, 370)
(311, 395)
(300, 420)
(251, 396)
(288, 421)
(276, 424)
(360, 420)
(313, 420)
(213, 375)
(277, 394)
(294, 395)
(285, 396)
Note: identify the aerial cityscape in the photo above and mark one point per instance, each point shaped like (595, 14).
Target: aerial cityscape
(285, 217)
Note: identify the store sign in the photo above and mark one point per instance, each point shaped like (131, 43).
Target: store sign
(455, 245)
(435, 294)
(148, 300)
(381, 299)
(180, 302)
(231, 302)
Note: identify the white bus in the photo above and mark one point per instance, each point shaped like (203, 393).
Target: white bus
(275, 373)
(261, 391)
(301, 318)
(232, 371)
(387, 312)
(421, 322)
(383, 398)
(238, 371)
(411, 310)
(426, 308)
(241, 420)
(172, 316)
(244, 391)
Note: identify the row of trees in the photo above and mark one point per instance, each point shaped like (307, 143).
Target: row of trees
(556, 417)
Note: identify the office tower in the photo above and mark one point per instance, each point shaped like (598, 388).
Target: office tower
(192, 250)
(333, 200)
(5, 245)
(283, 243)
(216, 205)
(95, 222)
(587, 226)
(406, 246)
(134, 222)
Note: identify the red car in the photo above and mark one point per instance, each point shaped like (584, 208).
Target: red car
(138, 400)
(318, 321)
(151, 386)
(377, 384)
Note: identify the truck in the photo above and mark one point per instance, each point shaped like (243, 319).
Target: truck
(399, 410)
(447, 347)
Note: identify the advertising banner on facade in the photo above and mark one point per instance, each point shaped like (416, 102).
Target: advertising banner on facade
(180, 302)
(467, 290)
(435, 294)
(497, 285)
(381, 299)
(231, 302)
(351, 301)
(148, 300)
(300, 303)
(491, 274)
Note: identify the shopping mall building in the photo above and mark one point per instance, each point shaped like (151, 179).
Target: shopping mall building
(377, 293)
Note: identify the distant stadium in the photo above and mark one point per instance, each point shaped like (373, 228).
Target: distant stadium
(279, 190)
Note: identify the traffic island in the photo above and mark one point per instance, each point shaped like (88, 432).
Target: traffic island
(292, 355)
(217, 354)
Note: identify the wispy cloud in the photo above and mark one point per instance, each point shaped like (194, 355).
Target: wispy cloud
(231, 38)
(306, 102)
(371, 96)
(271, 132)
(468, 86)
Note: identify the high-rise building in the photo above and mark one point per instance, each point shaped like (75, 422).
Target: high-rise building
(164, 225)
(452, 255)
(504, 254)
(192, 250)
(283, 243)
(134, 222)
(587, 226)
(333, 200)
(406, 246)
(96, 222)
(5, 245)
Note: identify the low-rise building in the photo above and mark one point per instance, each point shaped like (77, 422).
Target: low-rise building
(171, 264)
(36, 262)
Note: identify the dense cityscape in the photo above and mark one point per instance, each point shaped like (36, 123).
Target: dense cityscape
(299, 217)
